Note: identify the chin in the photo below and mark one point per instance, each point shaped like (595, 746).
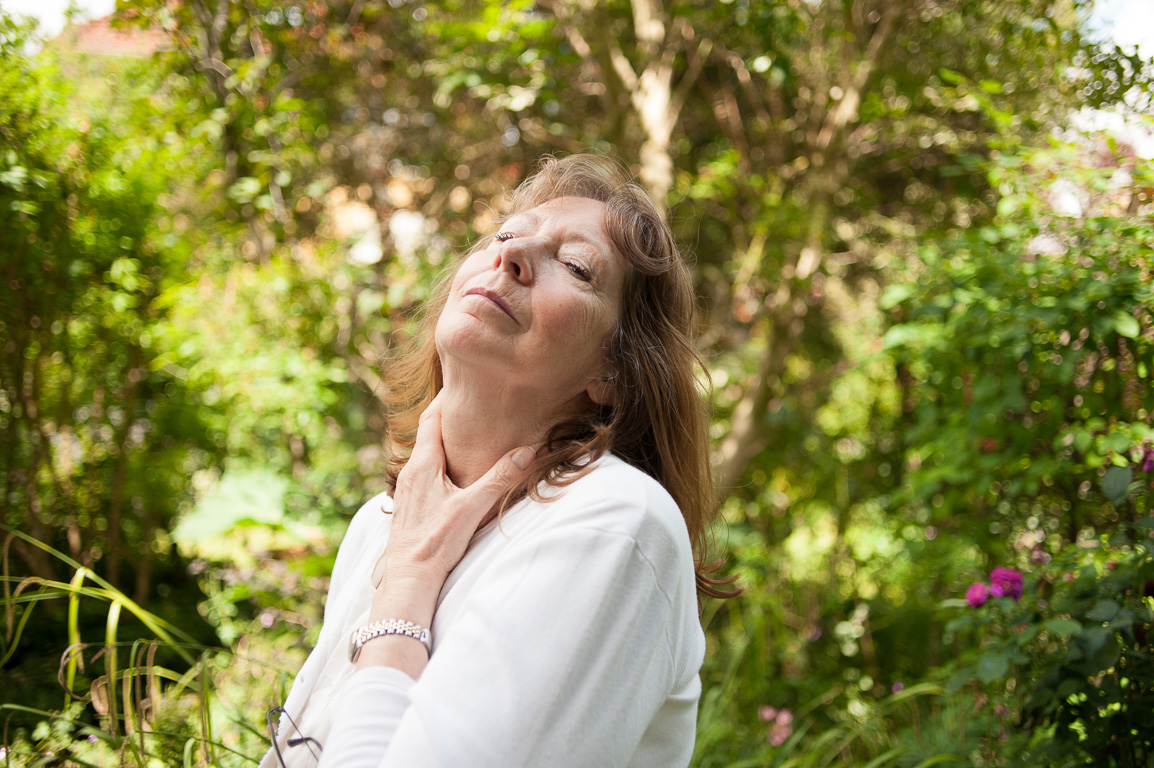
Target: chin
(465, 338)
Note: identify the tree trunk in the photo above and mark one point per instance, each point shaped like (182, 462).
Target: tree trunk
(38, 561)
(747, 433)
(828, 169)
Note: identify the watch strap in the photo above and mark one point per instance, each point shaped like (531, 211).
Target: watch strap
(388, 627)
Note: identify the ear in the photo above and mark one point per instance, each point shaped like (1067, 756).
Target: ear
(602, 391)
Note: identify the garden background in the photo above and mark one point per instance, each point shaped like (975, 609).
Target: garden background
(925, 307)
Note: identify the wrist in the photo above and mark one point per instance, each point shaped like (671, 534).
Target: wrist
(406, 597)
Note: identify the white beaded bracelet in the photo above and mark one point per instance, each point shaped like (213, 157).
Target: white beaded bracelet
(388, 627)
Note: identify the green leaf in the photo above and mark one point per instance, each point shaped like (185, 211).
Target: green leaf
(1009, 205)
(901, 335)
(957, 681)
(1126, 325)
(1103, 611)
(244, 189)
(1124, 618)
(895, 294)
(992, 667)
(965, 621)
(1116, 483)
(1092, 640)
(241, 498)
(1063, 627)
(949, 76)
(1105, 657)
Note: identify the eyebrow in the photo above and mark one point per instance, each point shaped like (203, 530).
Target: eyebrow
(532, 219)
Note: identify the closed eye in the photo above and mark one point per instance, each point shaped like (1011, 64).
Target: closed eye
(502, 236)
(579, 270)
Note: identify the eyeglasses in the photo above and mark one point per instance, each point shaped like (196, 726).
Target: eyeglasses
(308, 741)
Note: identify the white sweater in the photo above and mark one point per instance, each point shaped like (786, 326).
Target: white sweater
(568, 635)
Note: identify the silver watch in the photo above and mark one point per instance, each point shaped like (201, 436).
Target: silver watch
(388, 627)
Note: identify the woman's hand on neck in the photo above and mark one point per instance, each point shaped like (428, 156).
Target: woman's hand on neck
(485, 415)
(483, 419)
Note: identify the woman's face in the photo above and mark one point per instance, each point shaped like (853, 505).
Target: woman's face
(537, 305)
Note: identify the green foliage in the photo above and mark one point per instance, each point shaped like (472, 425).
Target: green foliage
(1026, 355)
(96, 445)
(1069, 666)
(206, 709)
(1026, 350)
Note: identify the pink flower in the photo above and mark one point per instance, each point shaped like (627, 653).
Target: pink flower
(780, 724)
(781, 729)
(977, 594)
(1006, 582)
(898, 687)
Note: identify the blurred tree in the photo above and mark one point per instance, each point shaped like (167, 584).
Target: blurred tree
(1026, 356)
(96, 444)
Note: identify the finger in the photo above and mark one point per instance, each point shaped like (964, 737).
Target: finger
(428, 449)
(434, 405)
(502, 476)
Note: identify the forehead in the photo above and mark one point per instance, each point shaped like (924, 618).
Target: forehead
(574, 217)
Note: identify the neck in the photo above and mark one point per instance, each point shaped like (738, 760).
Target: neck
(482, 420)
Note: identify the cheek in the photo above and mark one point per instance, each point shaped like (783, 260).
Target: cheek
(569, 320)
(578, 331)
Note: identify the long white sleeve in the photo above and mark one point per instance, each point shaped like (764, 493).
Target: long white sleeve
(567, 645)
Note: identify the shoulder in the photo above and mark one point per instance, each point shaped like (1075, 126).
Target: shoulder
(617, 498)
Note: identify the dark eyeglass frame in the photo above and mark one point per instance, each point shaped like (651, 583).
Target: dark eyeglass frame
(302, 739)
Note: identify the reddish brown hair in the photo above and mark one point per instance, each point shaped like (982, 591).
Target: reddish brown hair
(659, 421)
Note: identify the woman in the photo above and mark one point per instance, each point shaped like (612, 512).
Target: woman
(543, 548)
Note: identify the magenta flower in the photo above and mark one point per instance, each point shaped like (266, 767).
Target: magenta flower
(1006, 582)
(1148, 459)
(978, 594)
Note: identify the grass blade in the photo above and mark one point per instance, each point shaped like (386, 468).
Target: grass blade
(110, 654)
(74, 640)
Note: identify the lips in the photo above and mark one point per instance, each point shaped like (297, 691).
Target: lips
(494, 297)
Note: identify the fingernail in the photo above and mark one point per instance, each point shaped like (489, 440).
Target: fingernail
(523, 457)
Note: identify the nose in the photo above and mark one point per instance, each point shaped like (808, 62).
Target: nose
(515, 258)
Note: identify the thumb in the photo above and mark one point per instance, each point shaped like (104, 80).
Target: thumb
(507, 471)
